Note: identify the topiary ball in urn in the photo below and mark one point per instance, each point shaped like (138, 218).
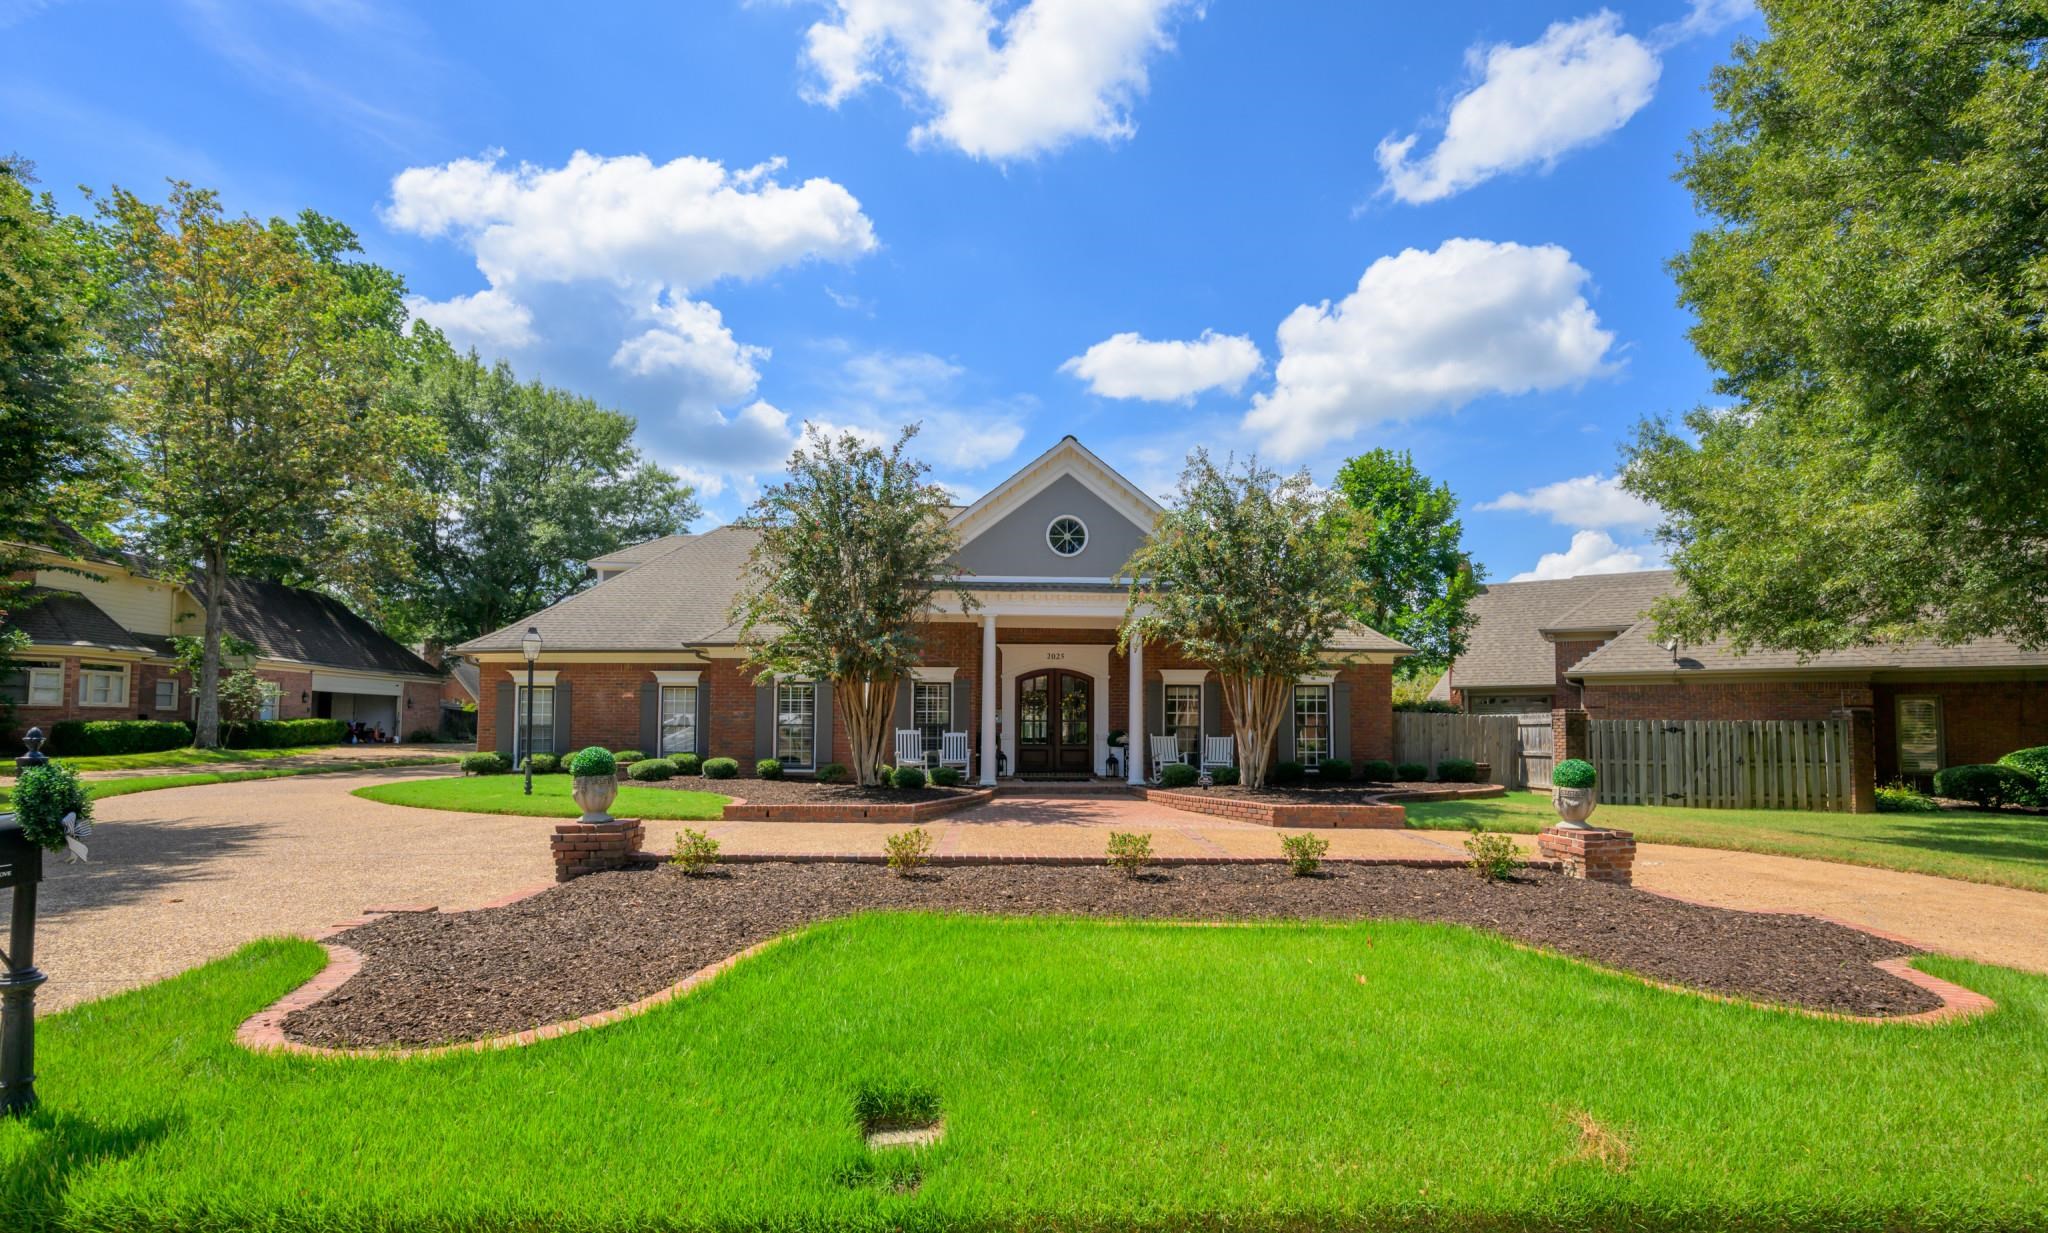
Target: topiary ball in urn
(597, 782)
(1572, 786)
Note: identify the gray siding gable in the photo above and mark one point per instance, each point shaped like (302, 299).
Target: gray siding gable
(1014, 545)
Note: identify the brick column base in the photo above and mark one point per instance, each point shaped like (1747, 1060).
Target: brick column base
(1595, 855)
(592, 847)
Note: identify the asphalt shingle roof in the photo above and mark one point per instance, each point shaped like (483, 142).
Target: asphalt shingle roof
(1636, 652)
(1507, 650)
(66, 618)
(310, 628)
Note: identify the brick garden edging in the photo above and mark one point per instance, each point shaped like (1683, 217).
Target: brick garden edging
(905, 813)
(1446, 792)
(593, 847)
(1269, 813)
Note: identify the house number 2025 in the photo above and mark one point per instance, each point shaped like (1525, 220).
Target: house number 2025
(1053, 657)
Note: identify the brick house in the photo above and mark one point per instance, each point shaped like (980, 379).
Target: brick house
(98, 646)
(648, 659)
(1585, 644)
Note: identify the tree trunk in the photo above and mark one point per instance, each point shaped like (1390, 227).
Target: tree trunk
(206, 717)
(1257, 705)
(869, 705)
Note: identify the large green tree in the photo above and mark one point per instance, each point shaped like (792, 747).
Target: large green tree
(1419, 583)
(532, 482)
(1251, 573)
(854, 553)
(1871, 292)
(249, 396)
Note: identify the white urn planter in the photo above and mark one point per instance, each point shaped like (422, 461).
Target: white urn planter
(1574, 806)
(594, 795)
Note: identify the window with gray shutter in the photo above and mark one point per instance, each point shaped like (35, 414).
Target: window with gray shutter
(1920, 736)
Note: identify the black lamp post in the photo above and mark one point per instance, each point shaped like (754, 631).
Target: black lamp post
(21, 867)
(529, 646)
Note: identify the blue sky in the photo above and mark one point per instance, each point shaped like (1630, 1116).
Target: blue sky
(1304, 229)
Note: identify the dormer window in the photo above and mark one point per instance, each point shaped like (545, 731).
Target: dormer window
(1067, 535)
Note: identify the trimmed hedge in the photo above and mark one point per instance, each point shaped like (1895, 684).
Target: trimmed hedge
(1379, 770)
(908, 778)
(2034, 762)
(1178, 775)
(485, 763)
(91, 738)
(625, 756)
(1283, 773)
(545, 763)
(769, 768)
(833, 772)
(721, 768)
(593, 761)
(1334, 770)
(280, 733)
(1899, 798)
(1411, 772)
(946, 776)
(689, 764)
(1574, 773)
(651, 770)
(1223, 776)
(1457, 770)
(1987, 787)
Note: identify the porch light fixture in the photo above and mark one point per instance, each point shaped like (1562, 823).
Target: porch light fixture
(529, 646)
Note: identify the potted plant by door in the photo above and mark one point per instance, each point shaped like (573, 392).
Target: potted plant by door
(1572, 786)
(597, 782)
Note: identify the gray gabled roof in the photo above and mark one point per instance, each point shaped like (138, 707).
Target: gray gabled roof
(1613, 602)
(1507, 649)
(310, 628)
(68, 619)
(640, 553)
(1636, 652)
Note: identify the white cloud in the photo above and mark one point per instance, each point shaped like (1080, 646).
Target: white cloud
(1587, 501)
(489, 320)
(1429, 331)
(755, 438)
(875, 393)
(1530, 105)
(1129, 366)
(1704, 17)
(1592, 552)
(691, 344)
(998, 89)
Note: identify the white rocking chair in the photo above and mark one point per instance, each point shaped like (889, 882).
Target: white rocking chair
(1165, 749)
(953, 750)
(1218, 751)
(909, 747)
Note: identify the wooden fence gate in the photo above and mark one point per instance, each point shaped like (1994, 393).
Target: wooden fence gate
(1736, 764)
(1429, 738)
(1537, 742)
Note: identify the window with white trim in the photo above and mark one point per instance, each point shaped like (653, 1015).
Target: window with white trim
(273, 694)
(931, 713)
(796, 716)
(1311, 724)
(102, 685)
(34, 684)
(1184, 720)
(166, 695)
(539, 735)
(678, 719)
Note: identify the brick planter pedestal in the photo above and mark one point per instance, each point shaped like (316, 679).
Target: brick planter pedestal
(592, 847)
(1595, 855)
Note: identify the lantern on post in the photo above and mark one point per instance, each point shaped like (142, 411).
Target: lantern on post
(529, 646)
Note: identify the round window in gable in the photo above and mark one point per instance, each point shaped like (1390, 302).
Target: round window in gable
(1067, 536)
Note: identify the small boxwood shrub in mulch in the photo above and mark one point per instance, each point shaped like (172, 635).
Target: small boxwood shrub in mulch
(945, 776)
(695, 851)
(1457, 770)
(1574, 773)
(769, 768)
(652, 770)
(545, 763)
(1494, 857)
(1987, 786)
(1223, 776)
(625, 757)
(908, 850)
(1129, 853)
(1285, 774)
(1904, 798)
(593, 761)
(1333, 770)
(1178, 775)
(833, 772)
(1304, 853)
(485, 763)
(721, 768)
(908, 778)
(1411, 772)
(689, 764)
(1378, 770)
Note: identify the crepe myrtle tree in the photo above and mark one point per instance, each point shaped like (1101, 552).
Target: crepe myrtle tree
(853, 555)
(1252, 573)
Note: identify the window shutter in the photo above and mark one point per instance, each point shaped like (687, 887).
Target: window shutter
(821, 722)
(963, 704)
(1212, 707)
(562, 726)
(1340, 720)
(764, 719)
(704, 714)
(650, 719)
(508, 694)
(903, 688)
(1155, 712)
(1286, 741)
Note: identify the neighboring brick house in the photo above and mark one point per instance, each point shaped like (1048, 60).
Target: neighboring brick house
(99, 647)
(648, 658)
(1584, 643)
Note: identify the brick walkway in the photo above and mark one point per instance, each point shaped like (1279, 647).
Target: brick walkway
(185, 875)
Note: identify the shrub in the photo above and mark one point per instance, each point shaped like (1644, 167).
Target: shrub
(420, 736)
(1904, 798)
(1411, 772)
(1304, 853)
(695, 850)
(651, 770)
(626, 757)
(279, 733)
(1178, 775)
(544, 763)
(1988, 787)
(485, 763)
(1130, 853)
(769, 768)
(1286, 773)
(908, 778)
(1428, 706)
(1494, 857)
(1379, 770)
(1574, 773)
(1457, 770)
(1223, 776)
(834, 772)
(91, 738)
(43, 795)
(721, 768)
(2034, 762)
(945, 776)
(595, 760)
(1334, 770)
(908, 850)
(689, 764)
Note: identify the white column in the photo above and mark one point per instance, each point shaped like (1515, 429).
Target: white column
(1135, 751)
(989, 688)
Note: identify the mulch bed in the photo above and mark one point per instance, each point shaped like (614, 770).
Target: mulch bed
(1314, 794)
(805, 791)
(609, 939)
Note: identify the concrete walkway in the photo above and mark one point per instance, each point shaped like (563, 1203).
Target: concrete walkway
(185, 875)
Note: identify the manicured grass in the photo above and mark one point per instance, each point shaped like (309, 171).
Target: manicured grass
(181, 757)
(550, 799)
(2003, 849)
(100, 789)
(1091, 1075)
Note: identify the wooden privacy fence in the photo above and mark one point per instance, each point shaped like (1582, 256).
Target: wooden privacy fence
(1735, 764)
(1536, 741)
(1429, 738)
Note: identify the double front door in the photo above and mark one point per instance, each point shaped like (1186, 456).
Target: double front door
(1055, 722)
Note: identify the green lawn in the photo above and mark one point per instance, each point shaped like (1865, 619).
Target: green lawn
(550, 799)
(180, 757)
(100, 789)
(1091, 1075)
(2003, 849)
